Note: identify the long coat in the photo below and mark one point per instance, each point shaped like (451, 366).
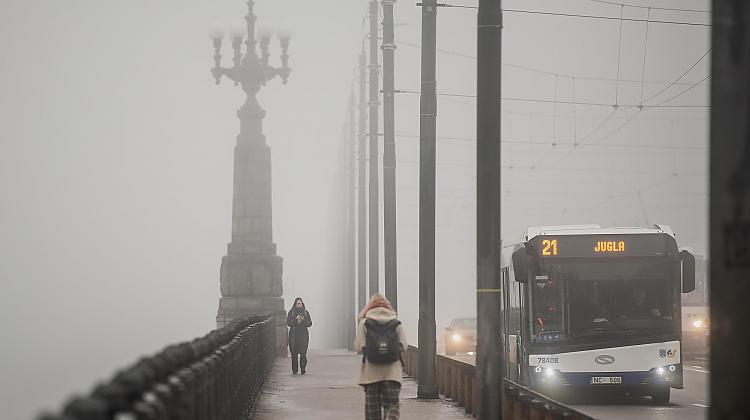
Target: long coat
(299, 336)
(371, 373)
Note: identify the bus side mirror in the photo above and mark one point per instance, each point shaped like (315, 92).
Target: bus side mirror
(520, 267)
(688, 271)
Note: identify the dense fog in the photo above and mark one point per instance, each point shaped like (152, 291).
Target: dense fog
(116, 154)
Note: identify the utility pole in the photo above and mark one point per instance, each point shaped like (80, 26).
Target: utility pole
(489, 347)
(374, 102)
(362, 206)
(389, 158)
(342, 193)
(730, 209)
(427, 383)
(351, 278)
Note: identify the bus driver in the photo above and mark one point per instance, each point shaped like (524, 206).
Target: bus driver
(639, 308)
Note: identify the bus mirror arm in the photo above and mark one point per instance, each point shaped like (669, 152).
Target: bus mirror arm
(688, 271)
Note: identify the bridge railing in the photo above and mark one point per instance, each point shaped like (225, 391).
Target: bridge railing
(218, 376)
(456, 381)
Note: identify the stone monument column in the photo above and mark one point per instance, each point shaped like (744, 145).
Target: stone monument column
(251, 270)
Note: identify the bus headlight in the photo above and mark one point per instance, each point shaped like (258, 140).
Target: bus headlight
(456, 337)
(538, 369)
(699, 323)
(549, 372)
(665, 374)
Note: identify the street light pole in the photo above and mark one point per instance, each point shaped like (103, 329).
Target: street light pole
(427, 384)
(362, 206)
(351, 144)
(251, 249)
(489, 346)
(389, 158)
(374, 102)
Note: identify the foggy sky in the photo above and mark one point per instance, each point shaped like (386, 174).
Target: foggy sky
(116, 154)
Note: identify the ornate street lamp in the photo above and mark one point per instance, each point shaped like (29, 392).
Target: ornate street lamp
(251, 270)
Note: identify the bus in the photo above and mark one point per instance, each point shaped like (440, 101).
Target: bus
(586, 307)
(695, 314)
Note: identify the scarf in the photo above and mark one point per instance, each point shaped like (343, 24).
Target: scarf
(297, 311)
(380, 303)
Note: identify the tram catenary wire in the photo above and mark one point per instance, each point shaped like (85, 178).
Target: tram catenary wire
(547, 72)
(547, 143)
(552, 101)
(638, 6)
(582, 16)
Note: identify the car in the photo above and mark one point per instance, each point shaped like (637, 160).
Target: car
(461, 336)
(695, 331)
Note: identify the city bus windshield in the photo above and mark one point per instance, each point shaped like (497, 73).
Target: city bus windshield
(584, 298)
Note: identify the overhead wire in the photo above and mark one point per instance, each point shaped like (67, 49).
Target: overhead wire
(619, 55)
(615, 106)
(574, 15)
(552, 101)
(546, 72)
(645, 50)
(613, 3)
(547, 143)
(617, 80)
(636, 6)
(685, 91)
(577, 15)
(641, 106)
(679, 78)
(551, 168)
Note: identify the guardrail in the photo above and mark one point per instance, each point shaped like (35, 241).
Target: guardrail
(218, 376)
(456, 381)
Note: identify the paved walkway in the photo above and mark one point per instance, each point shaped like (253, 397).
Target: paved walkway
(329, 391)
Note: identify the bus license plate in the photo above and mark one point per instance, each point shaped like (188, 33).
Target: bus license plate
(600, 380)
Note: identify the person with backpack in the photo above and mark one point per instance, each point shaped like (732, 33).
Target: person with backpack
(382, 341)
(298, 320)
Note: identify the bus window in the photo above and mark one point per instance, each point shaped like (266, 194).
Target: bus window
(591, 298)
(546, 300)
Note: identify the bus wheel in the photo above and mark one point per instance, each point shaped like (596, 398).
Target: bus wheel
(661, 396)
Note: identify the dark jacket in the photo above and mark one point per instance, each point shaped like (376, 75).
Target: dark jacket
(299, 336)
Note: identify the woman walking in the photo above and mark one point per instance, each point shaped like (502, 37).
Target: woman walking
(298, 320)
(382, 340)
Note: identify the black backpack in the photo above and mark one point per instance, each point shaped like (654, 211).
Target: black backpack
(382, 345)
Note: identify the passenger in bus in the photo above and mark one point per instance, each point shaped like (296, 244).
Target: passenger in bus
(639, 306)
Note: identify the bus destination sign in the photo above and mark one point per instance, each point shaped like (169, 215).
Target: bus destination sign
(603, 245)
(609, 246)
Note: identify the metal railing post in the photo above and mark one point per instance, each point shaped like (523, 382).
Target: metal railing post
(215, 377)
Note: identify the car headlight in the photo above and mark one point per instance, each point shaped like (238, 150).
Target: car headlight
(699, 323)
(456, 337)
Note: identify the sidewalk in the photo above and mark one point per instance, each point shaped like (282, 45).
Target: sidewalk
(329, 391)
